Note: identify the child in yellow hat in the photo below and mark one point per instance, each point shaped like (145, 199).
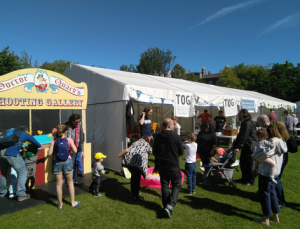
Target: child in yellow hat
(98, 171)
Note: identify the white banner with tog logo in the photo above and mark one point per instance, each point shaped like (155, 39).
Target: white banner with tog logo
(184, 104)
(230, 107)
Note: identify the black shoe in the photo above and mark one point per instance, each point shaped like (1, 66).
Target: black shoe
(247, 184)
(80, 175)
(169, 212)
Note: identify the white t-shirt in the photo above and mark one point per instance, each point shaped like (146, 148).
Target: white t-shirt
(177, 128)
(190, 153)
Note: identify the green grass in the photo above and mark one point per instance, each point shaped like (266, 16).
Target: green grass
(218, 206)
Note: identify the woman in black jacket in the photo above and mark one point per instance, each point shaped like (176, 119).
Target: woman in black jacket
(207, 141)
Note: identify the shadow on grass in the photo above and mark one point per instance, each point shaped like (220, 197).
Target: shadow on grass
(294, 206)
(225, 209)
(121, 193)
(219, 183)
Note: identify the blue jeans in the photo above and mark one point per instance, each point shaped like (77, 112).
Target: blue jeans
(169, 200)
(19, 166)
(79, 162)
(268, 197)
(278, 187)
(191, 172)
(75, 166)
(4, 166)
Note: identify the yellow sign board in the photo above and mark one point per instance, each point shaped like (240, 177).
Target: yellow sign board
(34, 88)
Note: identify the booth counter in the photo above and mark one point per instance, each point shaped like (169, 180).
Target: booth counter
(35, 98)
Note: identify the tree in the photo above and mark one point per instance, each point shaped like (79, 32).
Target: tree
(156, 62)
(227, 78)
(191, 77)
(130, 68)
(57, 66)
(9, 62)
(178, 72)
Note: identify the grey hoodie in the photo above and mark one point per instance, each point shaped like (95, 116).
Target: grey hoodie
(281, 148)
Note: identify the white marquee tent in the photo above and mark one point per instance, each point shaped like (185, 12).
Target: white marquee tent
(109, 90)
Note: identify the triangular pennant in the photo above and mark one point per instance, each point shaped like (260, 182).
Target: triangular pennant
(162, 100)
(151, 99)
(138, 93)
(218, 107)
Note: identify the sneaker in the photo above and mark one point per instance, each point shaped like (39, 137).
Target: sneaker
(190, 193)
(138, 198)
(169, 212)
(99, 195)
(194, 192)
(21, 198)
(273, 180)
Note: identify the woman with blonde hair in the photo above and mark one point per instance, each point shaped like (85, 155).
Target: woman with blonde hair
(268, 195)
(177, 127)
(62, 148)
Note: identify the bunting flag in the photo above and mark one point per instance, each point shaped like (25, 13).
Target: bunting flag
(151, 99)
(198, 99)
(218, 107)
(138, 93)
(211, 105)
(162, 100)
(173, 103)
(204, 103)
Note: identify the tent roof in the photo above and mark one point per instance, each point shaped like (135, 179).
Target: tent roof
(107, 85)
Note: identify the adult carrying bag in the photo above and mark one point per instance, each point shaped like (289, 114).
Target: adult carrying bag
(292, 144)
(9, 138)
(61, 149)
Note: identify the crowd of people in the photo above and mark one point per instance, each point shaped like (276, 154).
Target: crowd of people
(261, 144)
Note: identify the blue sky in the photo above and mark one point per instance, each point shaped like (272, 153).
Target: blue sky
(210, 33)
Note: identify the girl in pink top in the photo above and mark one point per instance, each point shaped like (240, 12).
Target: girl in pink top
(65, 167)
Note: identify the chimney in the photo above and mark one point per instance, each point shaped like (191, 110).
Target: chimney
(203, 71)
(209, 72)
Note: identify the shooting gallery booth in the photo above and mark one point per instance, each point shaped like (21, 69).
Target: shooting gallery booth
(41, 100)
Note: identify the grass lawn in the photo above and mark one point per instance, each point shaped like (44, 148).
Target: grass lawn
(218, 206)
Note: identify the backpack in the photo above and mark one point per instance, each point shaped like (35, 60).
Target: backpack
(9, 138)
(61, 149)
(292, 144)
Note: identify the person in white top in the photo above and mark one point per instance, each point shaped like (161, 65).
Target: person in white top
(177, 127)
(295, 122)
(190, 162)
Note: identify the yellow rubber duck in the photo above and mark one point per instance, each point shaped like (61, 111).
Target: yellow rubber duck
(40, 132)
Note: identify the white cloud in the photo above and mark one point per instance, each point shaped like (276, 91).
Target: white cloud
(224, 12)
(289, 21)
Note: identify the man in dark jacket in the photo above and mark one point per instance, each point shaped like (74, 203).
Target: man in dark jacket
(167, 148)
(243, 142)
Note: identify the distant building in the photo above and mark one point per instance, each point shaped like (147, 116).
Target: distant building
(207, 78)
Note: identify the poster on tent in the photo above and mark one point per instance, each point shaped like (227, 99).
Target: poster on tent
(183, 104)
(230, 107)
(249, 104)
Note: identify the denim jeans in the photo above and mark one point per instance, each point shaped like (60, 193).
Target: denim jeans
(191, 172)
(169, 200)
(19, 166)
(79, 162)
(75, 166)
(268, 197)
(95, 185)
(4, 166)
(278, 187)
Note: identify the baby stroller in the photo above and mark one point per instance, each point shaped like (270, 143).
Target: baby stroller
(223, 168)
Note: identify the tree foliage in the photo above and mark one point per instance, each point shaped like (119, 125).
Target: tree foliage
(178, 72)
(227, 78)
(57, 66)
(156, 62)
(130, 68)
(9, 62)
